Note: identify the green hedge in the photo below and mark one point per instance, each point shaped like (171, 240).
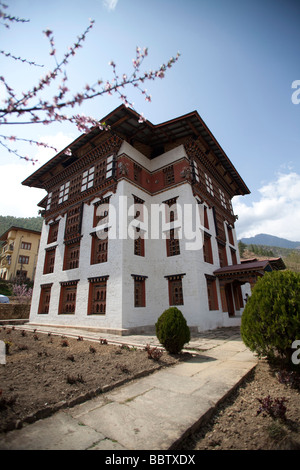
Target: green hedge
(271, 319)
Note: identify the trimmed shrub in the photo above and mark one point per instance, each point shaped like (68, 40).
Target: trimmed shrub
(172, 330)
(271, 319)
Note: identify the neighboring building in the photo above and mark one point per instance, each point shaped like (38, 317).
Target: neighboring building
(101, 265)
(18, 254)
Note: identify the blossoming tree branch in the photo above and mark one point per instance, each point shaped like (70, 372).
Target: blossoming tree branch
(29, 107)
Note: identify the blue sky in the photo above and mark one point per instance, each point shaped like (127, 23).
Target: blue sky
(237, 65)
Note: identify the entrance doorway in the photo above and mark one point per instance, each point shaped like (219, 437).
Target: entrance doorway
(229, 300)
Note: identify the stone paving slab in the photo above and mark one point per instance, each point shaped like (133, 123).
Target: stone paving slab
(151, 413)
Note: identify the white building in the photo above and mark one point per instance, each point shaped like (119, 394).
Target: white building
(129, 184)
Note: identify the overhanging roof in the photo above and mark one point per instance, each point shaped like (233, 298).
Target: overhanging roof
(276, 263)
(243, 268)
(3, 237)
(124, 121)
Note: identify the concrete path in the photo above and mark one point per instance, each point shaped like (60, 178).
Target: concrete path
(152, 413)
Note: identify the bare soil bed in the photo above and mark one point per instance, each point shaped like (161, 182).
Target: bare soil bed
(44, 373)
(237, 425)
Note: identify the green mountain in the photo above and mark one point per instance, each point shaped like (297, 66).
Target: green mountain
(32, 223)
(271, 240)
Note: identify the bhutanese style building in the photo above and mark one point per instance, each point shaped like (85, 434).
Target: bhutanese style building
(103, 262)
(18, 254)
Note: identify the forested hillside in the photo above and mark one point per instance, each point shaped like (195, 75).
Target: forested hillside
(32, 223)
(291, 257)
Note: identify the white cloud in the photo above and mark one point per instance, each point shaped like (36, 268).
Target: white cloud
(18, 200)
(276, 213)
(110, 4)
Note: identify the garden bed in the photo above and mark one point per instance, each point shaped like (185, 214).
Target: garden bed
(44, 373)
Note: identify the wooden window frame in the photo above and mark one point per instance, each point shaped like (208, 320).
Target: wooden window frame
(71, 261)
(139, 291)
(175, 289)
(23, 259)
(97, 306)
(49, 260)
(26, 246)
(45, 297)
(99, 248)
(68, 288)
(207, 249)
(212, 296)
(53, 232)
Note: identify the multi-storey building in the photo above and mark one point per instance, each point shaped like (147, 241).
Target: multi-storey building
(18, 254)
(122, 239)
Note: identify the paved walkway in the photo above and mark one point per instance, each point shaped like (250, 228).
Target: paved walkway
(151, 413)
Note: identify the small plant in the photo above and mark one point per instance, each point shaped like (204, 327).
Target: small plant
(92, 350)
(35, 337)
(172, 330)
(80, 338)
(125, 347)
(71, 379)
(23, 333)
(153, 353)
(65, 343)
(103, 341)
(273, 407)
(289, 378)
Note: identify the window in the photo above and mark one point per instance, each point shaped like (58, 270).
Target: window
(73, 223)
(238, 297)
(109, 166)
(209, 184)
(222, 255)
(230, 235)
(137, 173)
(49, 199)
(222, 198)
(169, 175)
(45, 299)
(71, 259)
(139, 243)
(49, 261)
(233, 256)
(100, 172)
(172, 243)
(53, 232)
(139, 290)
(63, 192)
(212, 293)
(101, 211)
(67, 302)
(207, 251)
(97, 295)
(196, 171)
(99, 247)
(23, 259)
(171, 209)
(26, 246)
(88, 179)
(175, 289)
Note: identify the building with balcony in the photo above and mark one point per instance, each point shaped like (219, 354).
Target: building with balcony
(18, 254)
(138, 218)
